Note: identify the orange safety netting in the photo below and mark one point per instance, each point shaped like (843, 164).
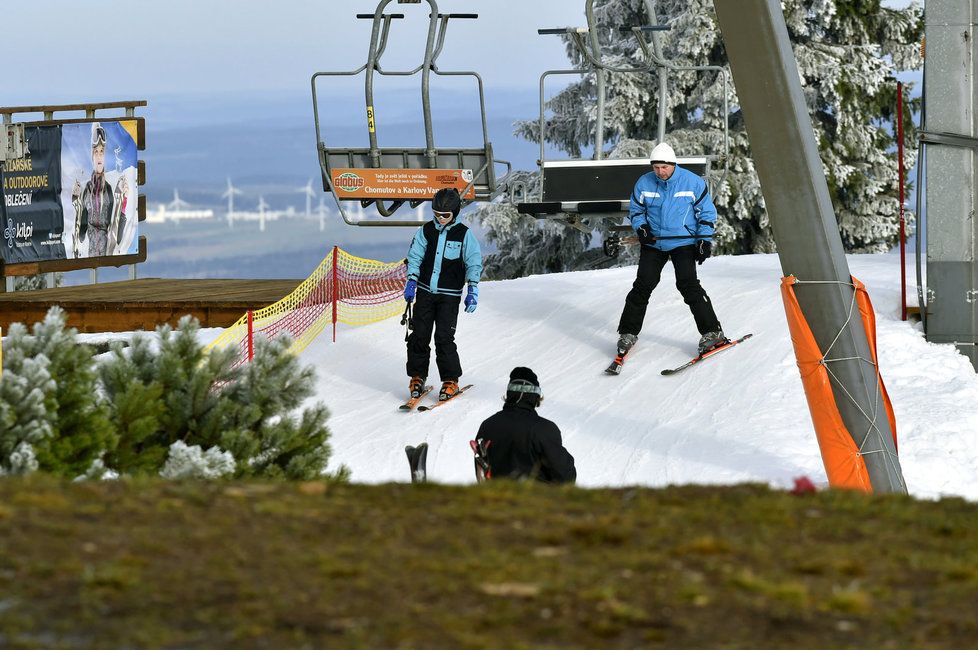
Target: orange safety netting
(844, 464)
(343, 288)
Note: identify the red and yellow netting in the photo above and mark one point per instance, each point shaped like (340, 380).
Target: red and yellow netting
(343, 289)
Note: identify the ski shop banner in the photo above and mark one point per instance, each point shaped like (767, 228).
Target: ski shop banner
(33, 221)
(75, 195)
(421, 184)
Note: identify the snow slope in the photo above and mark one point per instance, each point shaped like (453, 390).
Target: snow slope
(739, 417)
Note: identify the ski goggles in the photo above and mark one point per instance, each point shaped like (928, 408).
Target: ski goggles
(443, 215)
(523, 386)
(98, 135)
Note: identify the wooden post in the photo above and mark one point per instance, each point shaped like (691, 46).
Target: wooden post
(335, 287)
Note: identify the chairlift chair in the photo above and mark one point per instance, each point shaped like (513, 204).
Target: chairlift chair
(580, 191)
(389, 177)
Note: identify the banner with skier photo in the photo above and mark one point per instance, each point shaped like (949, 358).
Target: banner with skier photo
(99, 190)
(75, 195)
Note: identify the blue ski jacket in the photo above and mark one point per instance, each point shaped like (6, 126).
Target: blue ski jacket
(678, 206)
(443, 258)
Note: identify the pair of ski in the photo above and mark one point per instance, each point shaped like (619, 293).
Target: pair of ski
(412, 403)
(616, 365)
(418, 459)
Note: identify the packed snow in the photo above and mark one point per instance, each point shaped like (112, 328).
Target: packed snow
(741, 416)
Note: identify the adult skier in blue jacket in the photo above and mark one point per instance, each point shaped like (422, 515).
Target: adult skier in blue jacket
(674, 218)
(443, 258)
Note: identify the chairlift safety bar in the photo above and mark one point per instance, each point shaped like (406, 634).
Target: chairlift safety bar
(613, 162)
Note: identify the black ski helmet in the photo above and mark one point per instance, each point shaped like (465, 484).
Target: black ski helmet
(447, 200)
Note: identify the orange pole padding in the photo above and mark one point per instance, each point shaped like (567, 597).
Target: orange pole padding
(869, 323)
(844, 466)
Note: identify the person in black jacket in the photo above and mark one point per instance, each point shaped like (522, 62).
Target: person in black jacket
(518, 443)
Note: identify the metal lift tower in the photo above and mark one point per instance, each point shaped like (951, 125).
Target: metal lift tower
(803, 221)
(949, 135)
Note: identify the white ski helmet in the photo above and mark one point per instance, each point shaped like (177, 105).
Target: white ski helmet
(663, 153)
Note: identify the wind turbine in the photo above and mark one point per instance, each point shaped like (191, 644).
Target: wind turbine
(177, 203)
(309, 192)
(261, 213)
(322, 214)
(229, 195)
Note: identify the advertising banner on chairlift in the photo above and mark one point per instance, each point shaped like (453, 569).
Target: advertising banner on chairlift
(75, 195)
(407, 184)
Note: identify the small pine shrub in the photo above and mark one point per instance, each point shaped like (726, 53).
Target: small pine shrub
(49, 388)
(170, 403)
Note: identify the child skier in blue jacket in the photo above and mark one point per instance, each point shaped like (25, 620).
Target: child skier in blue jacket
(674, 218)
(443, 258)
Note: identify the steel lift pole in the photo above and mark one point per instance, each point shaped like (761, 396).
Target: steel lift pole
(800, 209)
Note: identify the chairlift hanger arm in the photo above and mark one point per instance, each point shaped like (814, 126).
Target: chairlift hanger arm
(440, 42)
(382, 44)
(597, 64)
(577, 35)
(442, 29)
(372, 65)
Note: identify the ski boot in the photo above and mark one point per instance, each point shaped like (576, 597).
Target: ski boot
(625, 343)
(416, 387)
(711, 340)
(449, 389)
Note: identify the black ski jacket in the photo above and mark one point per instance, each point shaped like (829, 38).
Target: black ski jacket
(523, 444)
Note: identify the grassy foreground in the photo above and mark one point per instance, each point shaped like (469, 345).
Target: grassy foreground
(151, 564)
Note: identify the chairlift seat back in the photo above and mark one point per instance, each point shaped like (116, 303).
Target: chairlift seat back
(602, 180)
(467, 165)
(596, 187)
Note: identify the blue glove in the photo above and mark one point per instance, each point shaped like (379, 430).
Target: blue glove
(472, 298)
(410, 289)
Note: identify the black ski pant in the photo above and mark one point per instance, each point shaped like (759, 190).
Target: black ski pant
(650, 265)
(436, 312)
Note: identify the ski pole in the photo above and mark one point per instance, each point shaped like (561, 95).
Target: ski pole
(633, 239)
(407, 319)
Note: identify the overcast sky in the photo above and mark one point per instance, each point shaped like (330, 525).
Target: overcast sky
(68, 51)
(51, 50)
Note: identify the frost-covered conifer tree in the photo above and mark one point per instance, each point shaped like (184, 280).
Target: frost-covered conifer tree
(49, 387)
(190, 462)
(24, 421)
(847, 53)
(267, 438)
(185, 412)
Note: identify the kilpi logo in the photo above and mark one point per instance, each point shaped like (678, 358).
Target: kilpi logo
(348, 182)
(17, 231)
